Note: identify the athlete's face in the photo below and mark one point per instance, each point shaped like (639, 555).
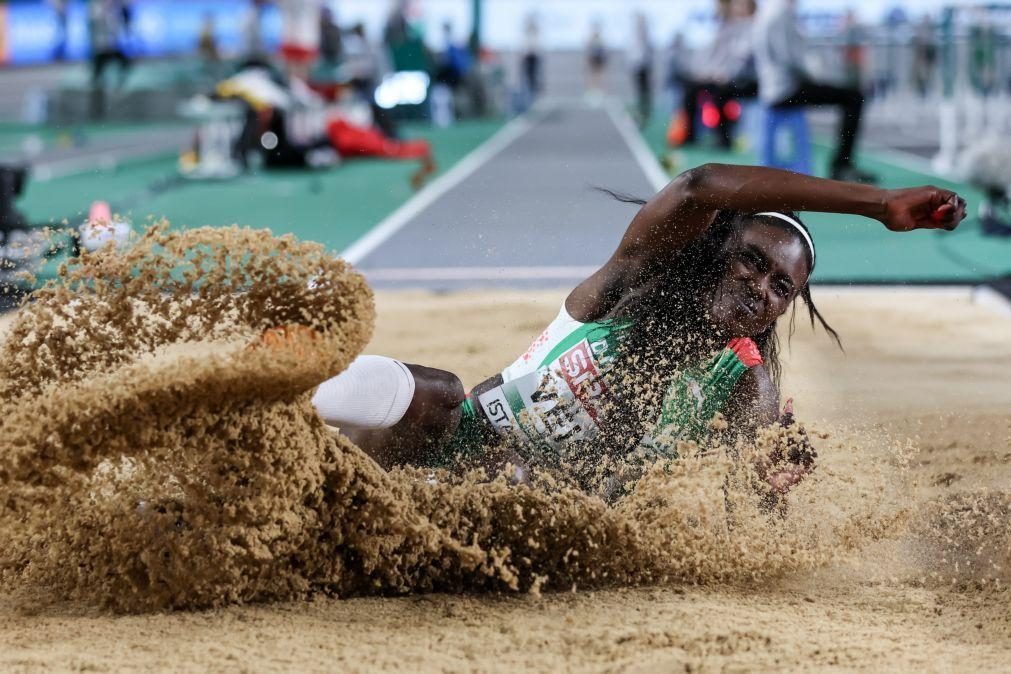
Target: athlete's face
(768, 268)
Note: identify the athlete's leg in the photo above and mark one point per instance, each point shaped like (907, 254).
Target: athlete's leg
(850, 102)
(397, 413)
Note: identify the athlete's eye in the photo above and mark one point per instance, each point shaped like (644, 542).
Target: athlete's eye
(751, 259)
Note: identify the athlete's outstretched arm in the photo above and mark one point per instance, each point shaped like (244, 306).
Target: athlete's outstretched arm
(688, 205)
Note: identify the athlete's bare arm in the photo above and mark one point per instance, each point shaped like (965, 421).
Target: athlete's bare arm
(688, 205)
(755, 402)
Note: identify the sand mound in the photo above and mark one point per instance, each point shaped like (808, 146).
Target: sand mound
(154, 453)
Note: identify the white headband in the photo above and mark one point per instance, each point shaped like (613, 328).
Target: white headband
(796, 225)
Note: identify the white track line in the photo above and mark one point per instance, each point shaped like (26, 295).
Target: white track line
(61, 168)
(478, 273)
(378, 235)
(648, 162)
(987, 297)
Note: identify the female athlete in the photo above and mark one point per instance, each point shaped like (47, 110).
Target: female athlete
(679, 324)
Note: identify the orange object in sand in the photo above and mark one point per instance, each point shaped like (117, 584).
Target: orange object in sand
(99, 212)
(286, 336)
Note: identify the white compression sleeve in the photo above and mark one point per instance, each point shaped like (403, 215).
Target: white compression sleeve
(374, 392)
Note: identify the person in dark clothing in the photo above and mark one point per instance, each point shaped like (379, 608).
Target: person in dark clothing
(531, 64)
(105, 25)
(729, 70)
(452, 64)
(641, 61)
(784, 82)
(329, 38)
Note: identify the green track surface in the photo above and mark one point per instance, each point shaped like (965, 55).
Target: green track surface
(854, 249)
(334, 207)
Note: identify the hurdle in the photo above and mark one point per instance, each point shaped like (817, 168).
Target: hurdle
(975, 63)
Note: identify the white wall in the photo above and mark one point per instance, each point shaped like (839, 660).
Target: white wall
(565, 24)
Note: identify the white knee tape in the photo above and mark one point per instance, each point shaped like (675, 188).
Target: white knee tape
(374, 392)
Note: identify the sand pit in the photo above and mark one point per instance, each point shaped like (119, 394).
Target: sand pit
(924, 371)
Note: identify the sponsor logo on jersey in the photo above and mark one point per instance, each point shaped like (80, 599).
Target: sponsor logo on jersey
(580, 371)
(496, 408)
(537, 344)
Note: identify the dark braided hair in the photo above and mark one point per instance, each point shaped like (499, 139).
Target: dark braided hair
(670, 331)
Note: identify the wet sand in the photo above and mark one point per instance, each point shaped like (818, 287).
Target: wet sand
(926, 370)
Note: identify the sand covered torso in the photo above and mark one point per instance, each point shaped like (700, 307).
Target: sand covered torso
(561, 391)
(556, 391)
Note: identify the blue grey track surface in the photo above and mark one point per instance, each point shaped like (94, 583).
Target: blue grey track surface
(528, 217)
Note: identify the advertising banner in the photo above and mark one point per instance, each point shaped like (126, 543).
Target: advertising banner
(32, 32)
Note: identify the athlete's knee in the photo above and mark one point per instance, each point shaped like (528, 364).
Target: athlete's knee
(436, 390)
(435, 412)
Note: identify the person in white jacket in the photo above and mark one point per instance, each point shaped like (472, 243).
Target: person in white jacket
(784, 81)
(300, 35)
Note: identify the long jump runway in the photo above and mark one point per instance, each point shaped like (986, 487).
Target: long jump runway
(521, 210)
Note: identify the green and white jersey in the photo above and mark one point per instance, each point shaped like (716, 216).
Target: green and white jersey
(555, 392)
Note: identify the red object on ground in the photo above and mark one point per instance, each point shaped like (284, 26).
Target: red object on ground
(356, 141)
(294, 53)
(710, 115)
(677, 130)
(746, 350)
(732, 111)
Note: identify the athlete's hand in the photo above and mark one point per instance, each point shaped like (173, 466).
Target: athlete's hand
(791, 462)
(922, 208)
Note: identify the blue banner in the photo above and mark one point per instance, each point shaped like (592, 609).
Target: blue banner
(31, 32)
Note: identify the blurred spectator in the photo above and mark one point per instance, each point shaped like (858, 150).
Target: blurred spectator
(398, 28)
(60, 9)
(453, 63)
(854, 39)
(361, 67)
(254, 50)
(678, 66)
(784, 81)
(596, 57)
(360, 63)
(329, 38)
(105, 28)
(641, 62)
(207, 43)
(531, 62)
(300, 36)
(451, 67)
(126, 14)
(726, 71)
(924, 56)
(887, 78)
(405, 43)
(983, 39)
